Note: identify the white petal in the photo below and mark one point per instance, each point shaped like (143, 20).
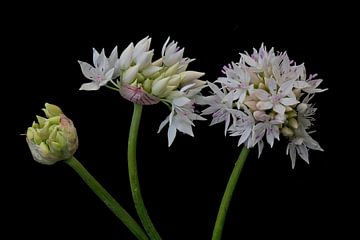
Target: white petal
(130, 74)
(289, 101)
(301, 84)
(260, 147)
(181, 101)
(147, 72)
(190, 75)
(126, 57)
(163, 124)
(144, 59)
(261, 94)
(292, 150)
(216, 90)
(286, 87)
(272, 86)
(270, 137)
(170, 60)
(95, 56)
(108, 76)
(164, 46)
(113, 57)
(303, 152)
(90, 86)
(89, 71)
(244, 136)
(171, 134)
(250, 61)
(279, 109)
(184, 127)
(264, 105)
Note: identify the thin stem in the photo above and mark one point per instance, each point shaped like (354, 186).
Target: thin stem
(133, 175)
(107, 199)
(225, 202)
(112, 88)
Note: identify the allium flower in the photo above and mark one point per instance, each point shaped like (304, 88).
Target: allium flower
(143, 81)
(53, 138)
(265, 95)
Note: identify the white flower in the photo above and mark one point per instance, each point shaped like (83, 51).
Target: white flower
(265, 95)
(101, 73)
(181, 118)
(143, 81)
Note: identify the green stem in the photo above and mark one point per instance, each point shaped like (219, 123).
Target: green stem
(225, 202)
(133, 175)
(109, 201)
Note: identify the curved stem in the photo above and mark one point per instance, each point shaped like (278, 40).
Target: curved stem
(133, 175)
(107, 199)
(225, 202)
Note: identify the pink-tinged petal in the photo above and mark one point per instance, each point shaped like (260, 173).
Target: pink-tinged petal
(272, 86)
(244, 136)
(288, 101)
(92, 86)
(250, 61)
(137, 95)
(171, 134)
(262, 94)
(264, 105)
(261, 116)
(286, 87)
(279, 109)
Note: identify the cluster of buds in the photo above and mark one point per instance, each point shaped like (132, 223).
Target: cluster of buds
(265, 95)
(143, 81)
(53, 138)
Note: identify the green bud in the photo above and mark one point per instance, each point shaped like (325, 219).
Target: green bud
(287, 132)
(293, 123)
(291, 114)
(147, 85)
(54, 138)
(172, 70)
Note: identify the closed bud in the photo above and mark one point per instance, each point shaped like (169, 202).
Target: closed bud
(293, 123)
(160, 86)
(301, 108)
(54, 138)
(287, 132)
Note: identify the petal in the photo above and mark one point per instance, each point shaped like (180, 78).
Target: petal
(279, 109)
(262, 94)
(181, 101)
(163, 123)
(126, 57)
(130, 74)
(260, 147)
(250, 61)
(147, 72)
(184, 127)
(95, 56)
(164, 46)
(286, 87)
(113, 57)
(271, 84)
(171, 134)
(288, 101)
(303, 152)
(244, 136)
(90, 86)
(89, 71)
(264, 105)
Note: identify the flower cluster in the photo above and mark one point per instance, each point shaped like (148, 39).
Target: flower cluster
(53, 138)
(143, 81)
(266, 95)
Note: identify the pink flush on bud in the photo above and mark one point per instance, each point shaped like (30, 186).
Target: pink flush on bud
(137, 95)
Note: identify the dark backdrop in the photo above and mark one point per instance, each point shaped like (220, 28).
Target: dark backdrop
(182, 185)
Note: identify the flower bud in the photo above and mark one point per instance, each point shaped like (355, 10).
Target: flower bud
(293, 123)
(301, 108)
(54, 138)
(287, 132)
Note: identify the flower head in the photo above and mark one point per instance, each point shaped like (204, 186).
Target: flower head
(143, 81)
(265, 96)
(52, 138)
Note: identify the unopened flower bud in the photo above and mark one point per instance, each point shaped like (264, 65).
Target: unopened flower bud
(54, 138)
(130, 74)
(287, 132)
(190, 75)
(159, 86)
(293, 123)
(301, 108)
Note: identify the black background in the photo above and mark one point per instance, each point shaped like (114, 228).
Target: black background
(182, 185)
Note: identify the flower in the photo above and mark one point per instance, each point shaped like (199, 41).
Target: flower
(53, 138)
(143, 81)
(102, 72)
(265, 95)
